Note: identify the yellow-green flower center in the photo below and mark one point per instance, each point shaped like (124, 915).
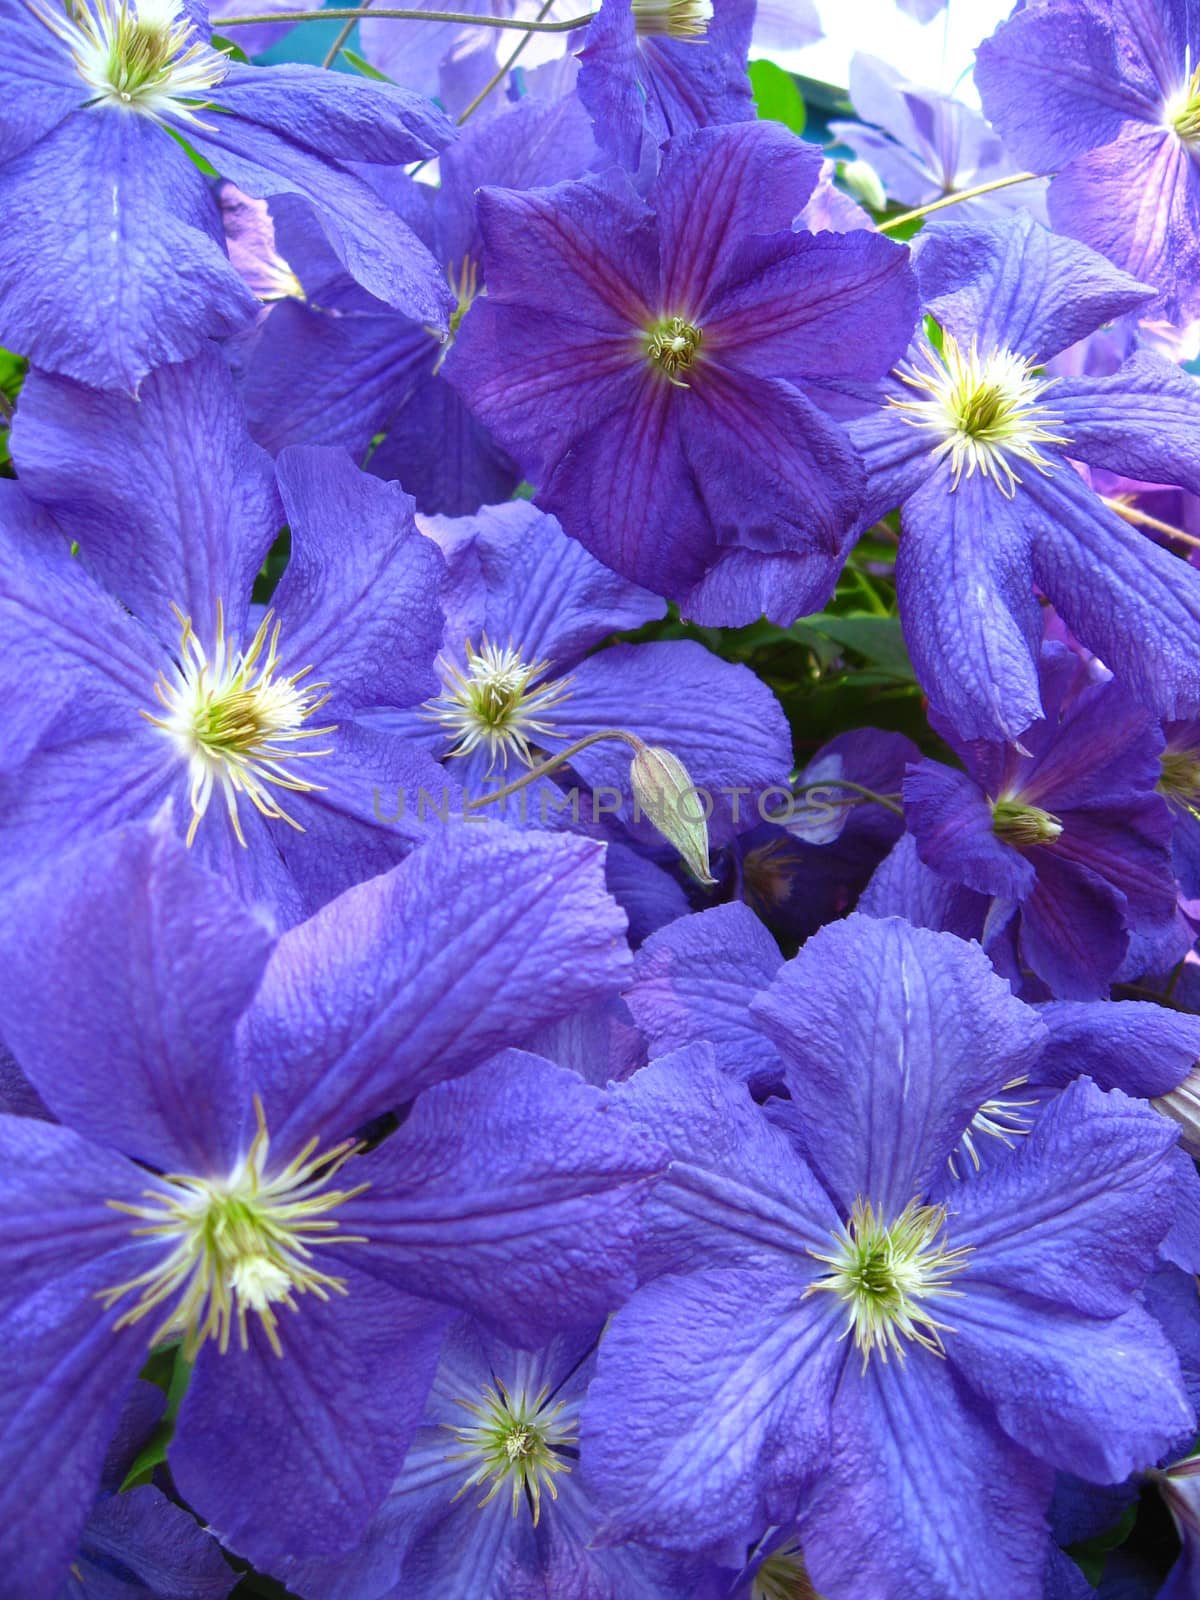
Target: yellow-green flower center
(885, 1272)
(236, 720)
(783, 1576)
(1182, 110)
(141, 55)
(673, 345)
(674, 19)
(498, 702)
(515, 1445)
(985, 411)
(1021, 825)
(236, 1245)
(1179, 780)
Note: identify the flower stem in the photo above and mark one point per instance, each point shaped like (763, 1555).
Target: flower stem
(555, 761)
(952, 199)
(886, 801)
(1143, 519)
(391, 13)
(505, 67)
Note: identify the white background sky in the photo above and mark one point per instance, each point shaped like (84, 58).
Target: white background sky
(937, 55)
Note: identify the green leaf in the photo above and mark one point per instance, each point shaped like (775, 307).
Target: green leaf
(154, 1452)
(776, 95)
(878, 640)
(365, 67)
(232, 50)
(1090, 1554)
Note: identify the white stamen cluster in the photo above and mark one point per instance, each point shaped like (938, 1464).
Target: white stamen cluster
(984, 411)
(141, 55)
(237, 1245)
(672, 19)
(996, 1119)
(498, 702)
(236, 721)
(514, 1445)
(884, 1272)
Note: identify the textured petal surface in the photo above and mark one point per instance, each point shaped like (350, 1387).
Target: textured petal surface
(111, 261)
(531, 1227)
(890, 1086)
(158, 961)
(501, 932)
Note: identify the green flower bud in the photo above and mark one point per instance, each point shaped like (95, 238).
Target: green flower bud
(663, 789)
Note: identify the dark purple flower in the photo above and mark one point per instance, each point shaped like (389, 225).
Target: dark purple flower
(331, 364)
(843, 1331)
(977, 444)
(647, 366)
(143, 670)
(112, 259)
(1108, 93)
(1066, 833)
(651, 70)
(209, 1183)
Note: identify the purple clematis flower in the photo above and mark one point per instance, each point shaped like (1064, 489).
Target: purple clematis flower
(925, 145)
(112, 261)
(1108, 92)
(522, 678)
(976, 445)
(835, 1328)
(652, 70)
(212, 1186)
(492, 1501)
(1067, 833)
(657, 370)
(143, 670)
(330, 364)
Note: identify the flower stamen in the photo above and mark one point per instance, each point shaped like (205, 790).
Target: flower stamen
(674, 19)
(997, 1119)
(141, 56)
(516, 1442)
(238, 1245)
(986, 411)
(237, 722)
(674, 346)
(499, 702)
(883, 1272)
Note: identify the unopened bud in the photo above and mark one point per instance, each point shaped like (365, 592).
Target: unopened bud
(663, 789)
(1021, 825)
(865, 184)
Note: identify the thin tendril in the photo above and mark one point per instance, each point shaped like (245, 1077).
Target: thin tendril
(952, 199)
(390, 13)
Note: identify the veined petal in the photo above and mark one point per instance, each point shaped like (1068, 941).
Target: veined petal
(1073, 932)
(1053, 83)
(917, 1457)
(1099, 1399)
(1132, 602)
(971, 619)
(1143, 421)
(1015, 285)
(351, 1021)
(694, 980)
(260, 1444)
(709, 1411)
(950, 819)
(170, 499)
(1137, 201)
(1073, 1216)
(716, 187)
(890, 1086)
(119, 266)
(359, 597)
(530, 1228)
(1134, 1045)
(158, 961)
